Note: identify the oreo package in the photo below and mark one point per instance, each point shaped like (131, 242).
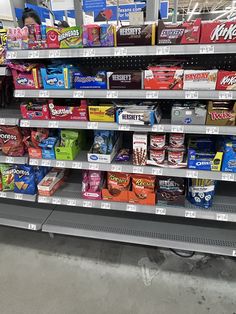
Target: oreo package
(201, 192)
(25, 181)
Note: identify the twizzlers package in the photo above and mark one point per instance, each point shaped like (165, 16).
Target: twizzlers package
(218, 32)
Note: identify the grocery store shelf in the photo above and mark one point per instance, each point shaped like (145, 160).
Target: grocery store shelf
(224, 208)
(164, 127)
(24, 215)
(9, 117)
(3, 71)
(210, 237)
(123, 51)
(81, 163)
(18, 196)
(13, 160)
(126, 94)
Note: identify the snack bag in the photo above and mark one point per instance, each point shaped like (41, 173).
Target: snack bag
(117, 182)
(143, 185)
(201, 192)
(24, 177)
(7, 172)
(11, 141)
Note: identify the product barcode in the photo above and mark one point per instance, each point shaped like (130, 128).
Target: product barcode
(161, 211)
(112, 94)
(177, 128)
(120, 52)
(33, 54)
(212, 130)
(34, 162)
(190, 214)
(165, 50)
(46, 163)
(25, 123)
(60, 164)
(2, 121)
(157, 171)
(207, 49)
(10, 160)
(32, 227)
(18, 196)
(116, 168)
(92, 125)
(131, 208)
(44, 94)
(78, 94)
(53, 124)
(88, 204)
(71, 202)
(152, 95)
(77, 165)
(138, 170)
(56, 201)
(222, 217)
(106, 205)
(191, 95)
(228, 177)
(192, 174)
(89, 52)
(226, 95)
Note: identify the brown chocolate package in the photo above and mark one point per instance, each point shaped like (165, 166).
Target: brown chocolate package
(221, 113)
(171, 191)
(125, 80)
(136, 35)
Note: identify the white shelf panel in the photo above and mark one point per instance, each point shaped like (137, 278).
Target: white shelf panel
(18, 196)
(14, 160)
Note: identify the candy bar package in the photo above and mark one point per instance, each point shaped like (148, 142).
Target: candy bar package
(27, 77)
(48, 147)
(138, 114)
(143, 189)
(97, 81)
(176, 34)
(92, 184)
(7, 173)
(226, 80)
(229, 160)
(24, 178)
(171, 191)
(136, 35)
(35, 110)
(67, 112)
(188, 113)
(124, 80)
(200, 79)
(11, 141)
(140, 149)
(222, 113)
(163, 78)
(52, 34)
(118, 185)
(201, 192)
(71, 37)
(102, 113)
(123, 155)
(218, 32)
(98, 35)
(17, 38)
(52, 182)
(69, 145)
(37, 37)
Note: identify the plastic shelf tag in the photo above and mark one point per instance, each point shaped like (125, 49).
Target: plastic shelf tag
(152, 95)
(177, 128)
(228, 177)
(53, 124)
(124, 127)
(10, 160)
(11, 55)
(60, 164)
(120, 52)
(33, 54)
(205, 49)
(106, 205)
(77, 165)
(34, 162)
(192, 174)
(46, 163)
(44, 94)
(138, 170)
(165, 50)
(131, 208)
(54, 54)
(161, 211)
(226, 95)
(18, 196)
(56, 201)
(25, 123)
(19, 93)
(116, 168)
(78, 94)
(212, 130)
(112, 94)
(88, 52)
(92, 125)
(71, 202)
(2, 121)
(87, 204)
(222, 217)
(43, 199)
(32, 227)
(157, 171)
(93, 166)
(158, 128)
(191, 94)
(190, 214)
(3, 195)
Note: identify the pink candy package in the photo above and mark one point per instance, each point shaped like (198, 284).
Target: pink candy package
(26, 76)
(92, 184)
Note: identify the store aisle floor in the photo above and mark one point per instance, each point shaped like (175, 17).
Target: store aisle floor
(65, 275)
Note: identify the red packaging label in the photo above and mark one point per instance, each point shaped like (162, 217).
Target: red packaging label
(218, 32)
(42, 114)
(226, 80)
(68, 112)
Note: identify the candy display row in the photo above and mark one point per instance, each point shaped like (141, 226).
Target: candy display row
(105, 35)
(160, 77)
(222, 113)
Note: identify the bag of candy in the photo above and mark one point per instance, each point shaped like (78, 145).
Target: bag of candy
(11, 141)
(24, 177)
(7, 172)
(201, 192)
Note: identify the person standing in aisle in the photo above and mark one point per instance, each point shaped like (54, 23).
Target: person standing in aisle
(30, 17)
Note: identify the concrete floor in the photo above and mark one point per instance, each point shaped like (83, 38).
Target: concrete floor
(66, 275)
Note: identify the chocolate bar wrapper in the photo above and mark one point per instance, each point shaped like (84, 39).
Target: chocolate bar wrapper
(226, 80)
(218, 32)
(125, 80)
(200, 79)
(136, 35)
(222, 113)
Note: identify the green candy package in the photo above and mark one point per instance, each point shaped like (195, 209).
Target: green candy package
(7, 172)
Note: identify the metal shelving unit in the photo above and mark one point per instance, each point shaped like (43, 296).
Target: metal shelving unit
(122, 51)
(13, 160)
(126, 94)
(9, 117)
(18, 196)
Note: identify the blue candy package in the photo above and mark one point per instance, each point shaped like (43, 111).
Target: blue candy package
(39, 174)
(201, 192)
(24, 177)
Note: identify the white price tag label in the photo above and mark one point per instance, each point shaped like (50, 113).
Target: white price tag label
(120, 52)
(226, 95)
(87, 204)
(131, 208)
(112, 94)
(158, 128)
(18, 196)
(54, 53)
(177, 129)
(60, 164)
(32, 227)
(116, 168)
(190, 214)
(204, 49)
(33, 54)
(92, 125)
(228, 177)
(46, 163)
(43, 199)
(78, 94)
(87, 52)
(10, 160)
(157, 171)
(212, 130)
(34, 162)
(77, 165)
(71, 202)
(56, 201)
(191, 94)
(138, 170)
(152, 94)
(3, 194)
(44, 94)
(192, 174)
(161, 211)
(222, 217)
(2, 121)
(234, 253)
(165, 50)
(19, 93)
(25, 123)
(53, 124)
(11, 55)
(93, 166)
(124, 127)
(106, 205)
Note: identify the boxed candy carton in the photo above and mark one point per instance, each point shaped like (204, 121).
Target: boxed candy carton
(98, 35)
(29, 78)
(124, 80)
(222, 113)
(52, 182)
(17, 38)
(226, 80)
(69, 145)
(68, 112)
(48, 147)
(218, 32)
(188, 113)
(102, 113)
(37, 37)
(52, 34)
(200, 79)
(92, 184)
(35, 110)
(136, 35)
(71, 37)
(140, 141)
(97, 81)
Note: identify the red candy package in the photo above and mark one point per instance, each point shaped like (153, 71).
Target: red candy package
(11, 141)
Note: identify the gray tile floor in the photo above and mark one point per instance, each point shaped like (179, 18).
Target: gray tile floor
(66, 275)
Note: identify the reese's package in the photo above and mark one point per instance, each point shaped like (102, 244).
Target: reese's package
(7, 173)
(25, 181)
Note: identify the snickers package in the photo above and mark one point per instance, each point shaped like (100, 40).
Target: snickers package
(136, 35)
(226, 80)
(125, 80)
(222, 113)
(218, 32)
(176, 34)
(200, 79)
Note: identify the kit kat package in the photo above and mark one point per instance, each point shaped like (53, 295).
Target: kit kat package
(176, 34)
(226, 80)
(125, 80)
(136, 35)
(218, 32)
